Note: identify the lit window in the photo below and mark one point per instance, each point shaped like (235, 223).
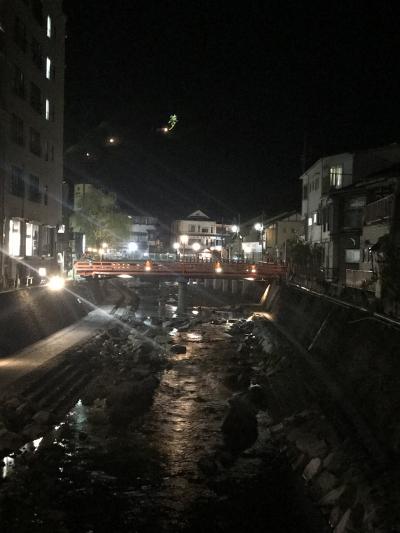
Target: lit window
(14, 238)
(310, 221)
(48, 68)
(335, 176)
(47, 110)
(48, 33)
(315, 218)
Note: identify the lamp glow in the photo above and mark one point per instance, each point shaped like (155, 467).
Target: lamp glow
(176, 246)
(196, 246)
(56, 283)
(184, 239)
(258, 226)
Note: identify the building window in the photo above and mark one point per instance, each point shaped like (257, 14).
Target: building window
(204, 230)
(20, 34)
(19, 82)
(305, 192)
(14, 238)
(47, 109)
(49, 28)
(31, 239)
(34, 142)
(46, 195)
(17, 130)
(310, 221)
(352, 256)
(315, 218)
(317, 184)
(34, 189)
(17, 182)
(37, 56)
(36, 98)
(335, 176)
(192, 228)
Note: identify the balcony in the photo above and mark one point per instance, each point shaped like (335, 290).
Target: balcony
(360, 279)
(379, 211)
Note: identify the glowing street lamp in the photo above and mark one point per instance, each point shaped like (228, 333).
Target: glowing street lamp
(235, 229)
(176, 246)
(196, 247)
(258, 226)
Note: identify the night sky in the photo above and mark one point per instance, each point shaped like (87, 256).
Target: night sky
(252, 86)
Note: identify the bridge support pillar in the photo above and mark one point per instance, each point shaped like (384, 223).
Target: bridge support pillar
(225, 285)
(208, 283)
(182, 297)
(245, 284)
(217, 284)
(235, 286)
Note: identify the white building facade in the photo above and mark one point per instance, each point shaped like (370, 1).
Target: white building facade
(326, 174)
(31, 131)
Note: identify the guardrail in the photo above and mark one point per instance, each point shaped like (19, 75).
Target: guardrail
(102, 269)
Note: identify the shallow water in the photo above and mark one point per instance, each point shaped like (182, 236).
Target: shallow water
(86, 477)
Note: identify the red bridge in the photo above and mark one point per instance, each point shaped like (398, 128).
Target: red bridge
(198, 270)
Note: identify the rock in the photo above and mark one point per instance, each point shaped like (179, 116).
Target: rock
(332, 498)
(33, 431)
(344, 523)
(9, 441)
(312, 469)
(101, 477)
(240, 430)
(42, 418)
(162, 339)
(325, 482)
(299, 463)
(335, 516)
(178, 348)
(336, 462)
(311, 445)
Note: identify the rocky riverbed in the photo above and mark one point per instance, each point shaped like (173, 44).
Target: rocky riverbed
(194, 423)
(156, 441)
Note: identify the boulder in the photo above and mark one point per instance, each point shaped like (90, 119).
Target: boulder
(42, 418)
(9, 441)
(312, 469)
(178, 348)
(239, 428)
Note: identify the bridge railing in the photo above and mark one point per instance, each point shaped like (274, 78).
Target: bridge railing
(178, 268)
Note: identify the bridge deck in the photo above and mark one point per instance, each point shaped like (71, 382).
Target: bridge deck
(199, 270)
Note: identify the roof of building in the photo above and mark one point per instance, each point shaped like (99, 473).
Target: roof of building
(198, 215)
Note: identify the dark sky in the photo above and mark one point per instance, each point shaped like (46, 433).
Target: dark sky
(248, 84)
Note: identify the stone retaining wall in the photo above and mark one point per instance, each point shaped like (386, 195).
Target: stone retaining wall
(28, 315)
(359, 353)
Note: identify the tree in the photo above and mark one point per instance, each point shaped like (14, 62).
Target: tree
(99, 218)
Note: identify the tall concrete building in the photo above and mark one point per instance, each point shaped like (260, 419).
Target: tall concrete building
(32, 36)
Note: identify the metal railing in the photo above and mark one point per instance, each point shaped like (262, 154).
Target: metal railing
(359, 279)
(259, 271)
(380, 210)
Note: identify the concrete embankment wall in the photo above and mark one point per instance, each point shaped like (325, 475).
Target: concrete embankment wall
(28, 315)
(359, 353)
